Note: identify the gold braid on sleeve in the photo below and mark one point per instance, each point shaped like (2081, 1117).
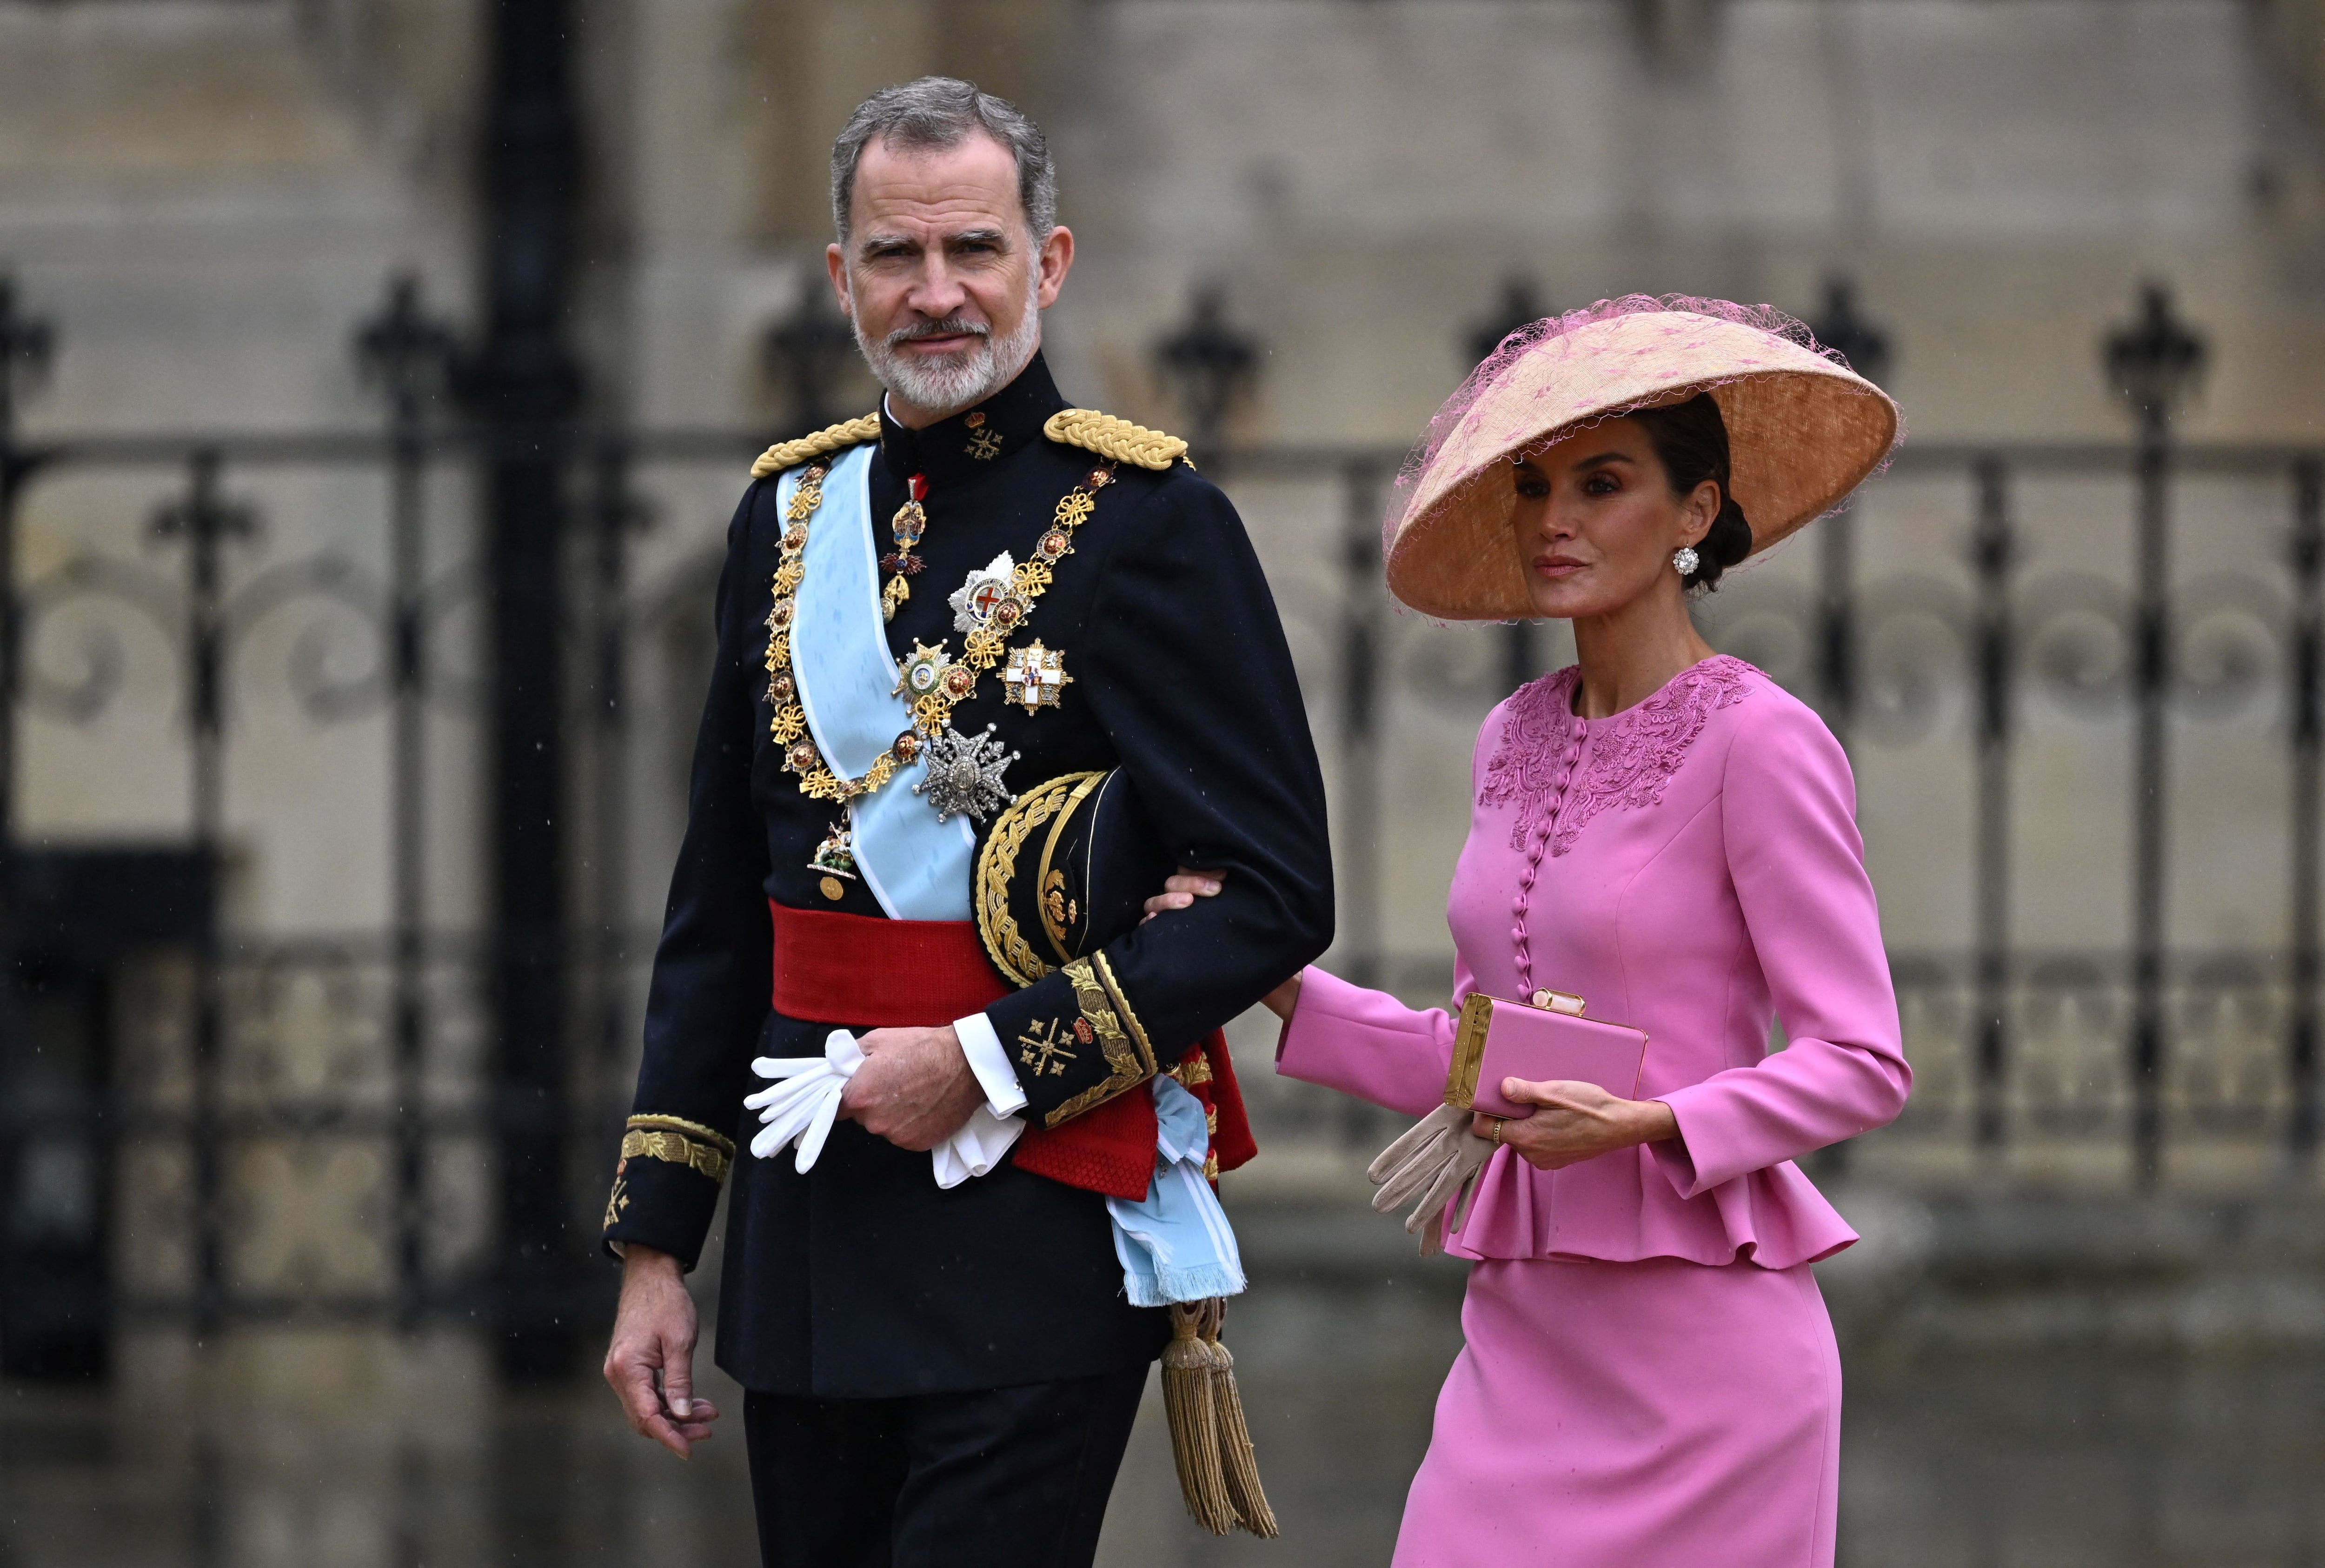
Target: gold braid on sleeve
(830, 438)
(680, 1143)
(1116, 440)
(1129, 1059)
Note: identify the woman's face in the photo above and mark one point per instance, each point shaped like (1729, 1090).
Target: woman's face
(1597, 523)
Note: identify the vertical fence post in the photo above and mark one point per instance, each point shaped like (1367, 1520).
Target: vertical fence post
(1993, 553)
(615, 512)
(1360, 699)
(528, 388)
(2308, 832)
(409, 354)
(26, 346)
(2154, 362)
(1841, 326)
(2152, 676)
(1357, 810)
(205, 520)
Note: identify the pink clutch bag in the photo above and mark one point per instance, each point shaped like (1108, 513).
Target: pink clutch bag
(1545, 1038)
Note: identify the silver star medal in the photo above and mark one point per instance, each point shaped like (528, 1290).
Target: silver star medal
(974, 601)
(964, 776)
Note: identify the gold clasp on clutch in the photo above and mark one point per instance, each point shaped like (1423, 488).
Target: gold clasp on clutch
(1558, 1002)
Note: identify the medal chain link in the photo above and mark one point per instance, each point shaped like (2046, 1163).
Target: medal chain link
(930, 712)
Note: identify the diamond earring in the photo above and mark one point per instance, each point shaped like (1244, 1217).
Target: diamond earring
(1684, 559)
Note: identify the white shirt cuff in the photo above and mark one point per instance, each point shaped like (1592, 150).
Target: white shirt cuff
(990, 1062)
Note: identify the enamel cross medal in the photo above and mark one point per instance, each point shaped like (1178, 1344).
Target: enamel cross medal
(836, 858)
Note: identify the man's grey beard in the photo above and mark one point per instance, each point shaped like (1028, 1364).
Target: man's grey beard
(970, 376)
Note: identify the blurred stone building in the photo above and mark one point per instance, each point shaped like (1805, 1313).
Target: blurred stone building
(206, 197)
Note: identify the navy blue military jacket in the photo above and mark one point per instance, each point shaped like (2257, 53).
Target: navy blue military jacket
(861, 1278)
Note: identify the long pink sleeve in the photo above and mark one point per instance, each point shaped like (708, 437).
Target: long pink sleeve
(1797, 863)
(1366, 1044)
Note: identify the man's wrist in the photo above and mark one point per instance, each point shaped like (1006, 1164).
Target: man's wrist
(637, 1257)
(981, 1046)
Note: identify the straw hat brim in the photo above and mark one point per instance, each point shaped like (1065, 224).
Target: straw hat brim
(1803, 434)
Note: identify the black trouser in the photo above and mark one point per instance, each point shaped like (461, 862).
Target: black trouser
(1016, 1477)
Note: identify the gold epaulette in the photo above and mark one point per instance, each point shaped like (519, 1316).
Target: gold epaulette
(1117, 439)
(830, 438)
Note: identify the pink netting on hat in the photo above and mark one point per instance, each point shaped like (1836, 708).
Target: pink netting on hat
(1543, 336)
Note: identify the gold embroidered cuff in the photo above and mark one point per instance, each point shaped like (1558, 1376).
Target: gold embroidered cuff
(680, 1142)
(1193, 1071)
(1129, 1060)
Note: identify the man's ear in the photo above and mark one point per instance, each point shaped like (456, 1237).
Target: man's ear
(1055, 258)
(835, 266)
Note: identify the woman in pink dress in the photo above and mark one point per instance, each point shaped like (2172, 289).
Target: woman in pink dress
(1650, 1376)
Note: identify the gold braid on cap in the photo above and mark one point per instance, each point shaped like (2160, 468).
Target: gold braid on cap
(830, 438)
(1117, 439)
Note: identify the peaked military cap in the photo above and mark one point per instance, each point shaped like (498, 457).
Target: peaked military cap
(1065, 871)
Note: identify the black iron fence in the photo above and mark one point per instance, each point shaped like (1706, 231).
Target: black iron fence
(216, 1106)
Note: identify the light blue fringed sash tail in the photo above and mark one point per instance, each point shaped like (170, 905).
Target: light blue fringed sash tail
(1174, 1243)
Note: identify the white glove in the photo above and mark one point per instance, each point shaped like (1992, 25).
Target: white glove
(1438, 1159)
(804, 1102)
(979, 1146)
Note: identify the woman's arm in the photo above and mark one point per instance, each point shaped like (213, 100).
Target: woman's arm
(1788, 807)
(1368, 1043)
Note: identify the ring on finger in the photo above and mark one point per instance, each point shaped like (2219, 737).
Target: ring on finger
(1499, 1123)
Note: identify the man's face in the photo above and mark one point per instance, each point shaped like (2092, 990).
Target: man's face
(944, 286)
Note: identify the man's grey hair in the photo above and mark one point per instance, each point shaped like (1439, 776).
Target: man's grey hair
(936, 113)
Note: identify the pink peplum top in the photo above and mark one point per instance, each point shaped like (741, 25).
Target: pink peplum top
(1690, 867)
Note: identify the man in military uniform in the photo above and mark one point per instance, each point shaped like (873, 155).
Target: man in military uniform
(925, 614)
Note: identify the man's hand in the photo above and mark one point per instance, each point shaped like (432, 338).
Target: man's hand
(651, 1361)
(914, 1089)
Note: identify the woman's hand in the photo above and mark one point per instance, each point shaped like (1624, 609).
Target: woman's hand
(1574, 1122)
(1181, 890)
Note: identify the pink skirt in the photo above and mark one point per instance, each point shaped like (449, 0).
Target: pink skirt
(1632, 1415)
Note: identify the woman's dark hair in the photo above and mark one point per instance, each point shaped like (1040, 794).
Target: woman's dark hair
(1691, 440)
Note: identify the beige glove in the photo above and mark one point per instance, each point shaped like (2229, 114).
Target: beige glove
(1437, 1159)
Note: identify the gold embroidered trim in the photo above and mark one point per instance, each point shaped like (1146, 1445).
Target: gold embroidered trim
(617, 1201)
(1122, 1006)
(932, 710)
(712, 1135)
(1130, 1064)
(830, 438)
(1115, 439)
(1006, 945)
(1193, 1071)
(677, 1148)
(1055, 919)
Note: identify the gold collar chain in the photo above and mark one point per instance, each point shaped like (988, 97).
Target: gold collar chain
(955, 681)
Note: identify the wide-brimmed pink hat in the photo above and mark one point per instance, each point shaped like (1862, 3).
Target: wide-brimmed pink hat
(1803, 431)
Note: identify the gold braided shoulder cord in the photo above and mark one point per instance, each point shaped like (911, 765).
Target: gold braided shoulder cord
(933, 711)
(1116, 440)
(830, 438)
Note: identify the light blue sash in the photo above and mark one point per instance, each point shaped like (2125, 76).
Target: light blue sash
(915, 866)
(1175, 1243)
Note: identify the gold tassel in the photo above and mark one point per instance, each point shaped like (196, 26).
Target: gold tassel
(1236, 1458)
(1189, 1400)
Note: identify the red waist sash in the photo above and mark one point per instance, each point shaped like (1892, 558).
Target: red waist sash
(862, 972)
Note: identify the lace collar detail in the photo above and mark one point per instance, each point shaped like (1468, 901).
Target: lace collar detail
(1632, 755)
